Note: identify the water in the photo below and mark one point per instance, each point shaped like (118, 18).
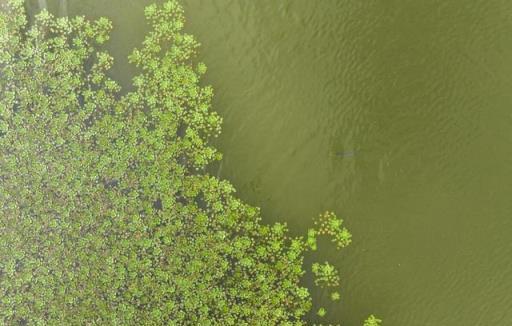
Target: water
(419, 94)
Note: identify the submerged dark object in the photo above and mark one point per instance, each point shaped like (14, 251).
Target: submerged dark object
(345, 153)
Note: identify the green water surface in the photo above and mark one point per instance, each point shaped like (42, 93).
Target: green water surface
(396, 115)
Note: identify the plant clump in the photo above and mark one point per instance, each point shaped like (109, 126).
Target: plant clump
(326, 275)
(372, 321)
(329, 224)
(107, 213)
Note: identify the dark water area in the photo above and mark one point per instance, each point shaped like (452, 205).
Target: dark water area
(396, 115)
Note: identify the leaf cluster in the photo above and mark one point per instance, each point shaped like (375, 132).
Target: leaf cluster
(107, 213)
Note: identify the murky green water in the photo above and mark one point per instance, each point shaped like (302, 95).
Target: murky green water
(417, 98)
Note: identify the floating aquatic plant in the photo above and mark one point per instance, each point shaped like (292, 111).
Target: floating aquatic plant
(107, 213)
(335, 296)
(372, 321)
(325, 274)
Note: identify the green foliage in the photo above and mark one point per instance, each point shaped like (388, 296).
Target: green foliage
(321, 312)
(107, 215)
(311, 239)
(335, 296)
(325, 274)
(329, 224)
(372, 321)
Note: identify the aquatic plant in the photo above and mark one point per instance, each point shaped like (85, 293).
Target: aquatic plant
(321, 312)
(372, 321)
(107, 214)
(325, 274)
(335, 296)
(329, 224)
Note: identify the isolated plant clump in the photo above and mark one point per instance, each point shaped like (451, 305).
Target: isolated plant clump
(107, 215)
